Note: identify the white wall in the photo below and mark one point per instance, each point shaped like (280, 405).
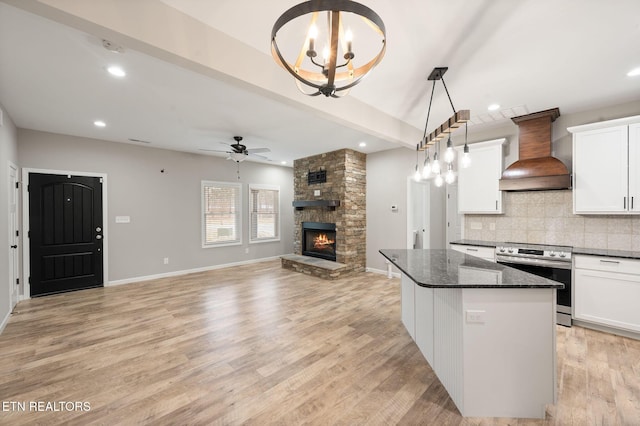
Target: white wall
(8, 153)
(165, 208)
(387, 174)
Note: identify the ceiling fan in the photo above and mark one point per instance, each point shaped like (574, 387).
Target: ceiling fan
(239, 151)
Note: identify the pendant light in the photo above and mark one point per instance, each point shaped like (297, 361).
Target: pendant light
(426, 168)
(456, 120)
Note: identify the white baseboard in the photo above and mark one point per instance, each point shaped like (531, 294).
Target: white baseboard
(187, 271)
(382, 272)
(4, 322)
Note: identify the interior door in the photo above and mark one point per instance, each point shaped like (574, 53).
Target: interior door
(65, 233)
(13, 235)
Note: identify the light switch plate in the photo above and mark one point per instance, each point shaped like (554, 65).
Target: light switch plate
(123, 219)
(316, 192)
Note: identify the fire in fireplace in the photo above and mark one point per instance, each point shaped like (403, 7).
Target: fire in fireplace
(319, 240)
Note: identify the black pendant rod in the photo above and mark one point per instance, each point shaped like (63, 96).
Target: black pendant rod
(433, 89)
(445, 89)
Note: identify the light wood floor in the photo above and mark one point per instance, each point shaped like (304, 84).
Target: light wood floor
(258, 344)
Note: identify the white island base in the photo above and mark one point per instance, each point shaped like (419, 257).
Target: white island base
(493, 349)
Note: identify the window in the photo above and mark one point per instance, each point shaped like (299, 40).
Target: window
(264, 208)
(222, 215)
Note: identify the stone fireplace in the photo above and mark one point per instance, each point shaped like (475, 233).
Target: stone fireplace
(319, 240)
(338, 199)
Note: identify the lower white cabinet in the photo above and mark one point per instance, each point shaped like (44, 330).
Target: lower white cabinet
(607, 291)
(407, 299)
(486, 253)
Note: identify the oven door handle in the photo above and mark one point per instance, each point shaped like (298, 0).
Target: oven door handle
(533, 262)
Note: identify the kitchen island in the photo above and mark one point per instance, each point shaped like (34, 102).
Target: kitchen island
(487, 330)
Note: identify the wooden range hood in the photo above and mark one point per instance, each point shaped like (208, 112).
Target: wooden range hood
(535, 169)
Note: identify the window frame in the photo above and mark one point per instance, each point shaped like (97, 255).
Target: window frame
(203, 214)
(255, 186)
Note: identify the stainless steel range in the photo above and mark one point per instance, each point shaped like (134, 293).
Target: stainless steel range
(552, 262)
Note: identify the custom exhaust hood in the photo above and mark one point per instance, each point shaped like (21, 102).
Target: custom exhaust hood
(536, 169)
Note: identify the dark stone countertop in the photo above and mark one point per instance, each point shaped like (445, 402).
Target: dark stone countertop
(628, 254)
(452, 269)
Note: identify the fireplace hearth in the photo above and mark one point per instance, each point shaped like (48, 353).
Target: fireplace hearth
(319, 240)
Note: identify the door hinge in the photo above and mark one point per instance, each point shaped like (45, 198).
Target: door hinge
(17, 233)
(17, 185)
(17, 281)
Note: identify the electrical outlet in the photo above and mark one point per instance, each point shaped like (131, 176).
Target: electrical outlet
(166, 260)
(475, 316)
(246, 251)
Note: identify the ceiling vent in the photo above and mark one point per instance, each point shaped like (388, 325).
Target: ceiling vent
(535, 169)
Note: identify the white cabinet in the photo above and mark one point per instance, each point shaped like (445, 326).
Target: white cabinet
(607, 291)
(407, 301)
(486, 253)
(424, 322)
(606, 159)
(478, 184)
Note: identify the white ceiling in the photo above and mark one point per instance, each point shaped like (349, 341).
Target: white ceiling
(526, 55)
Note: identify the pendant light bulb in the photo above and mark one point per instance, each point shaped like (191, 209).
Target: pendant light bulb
(449, 177)
(449, 153)
(466, 158)
(439, 181)
(417, 175)
(435, 167)
(426, 169)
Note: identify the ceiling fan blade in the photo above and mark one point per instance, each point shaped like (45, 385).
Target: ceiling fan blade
(262, 157)
(257, 150)
(213, 150)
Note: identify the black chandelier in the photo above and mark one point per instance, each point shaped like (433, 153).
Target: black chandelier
(339, 69)
(444, 130)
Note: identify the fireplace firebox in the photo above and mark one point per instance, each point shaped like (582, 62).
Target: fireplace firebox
(319, 240)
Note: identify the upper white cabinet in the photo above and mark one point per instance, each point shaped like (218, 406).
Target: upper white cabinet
(606, 159)
(478, 184)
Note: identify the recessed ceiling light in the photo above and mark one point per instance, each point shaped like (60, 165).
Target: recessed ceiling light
(283, 162)
(116, 71)
(99, 123)
(363, 144)
(634, 72)
(493, 107)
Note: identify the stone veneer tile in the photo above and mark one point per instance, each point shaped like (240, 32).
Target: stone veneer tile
(619, 225)
(503, 222)
(503, 235)
(516, 197)
(536, 198)
(519, 210)
(595, 240)
(535, 224)
(553, 197)
(554, 224)
(554, 210)
(595, 225)
(574, 240)
(619, 242)
(536, 237)
(519, 235)
(635, 225)
(574, 225)
(535, 210)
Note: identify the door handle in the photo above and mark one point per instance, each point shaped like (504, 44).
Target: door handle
(14, 246)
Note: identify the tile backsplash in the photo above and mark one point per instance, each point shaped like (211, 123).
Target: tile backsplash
(545, 217)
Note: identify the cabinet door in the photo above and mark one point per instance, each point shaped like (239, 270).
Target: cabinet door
(478, 184)
(407, 303)
(607, 298)
(424, 322)
(634, 168)
(600, 170)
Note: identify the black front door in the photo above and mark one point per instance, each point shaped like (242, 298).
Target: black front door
(65, 233)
